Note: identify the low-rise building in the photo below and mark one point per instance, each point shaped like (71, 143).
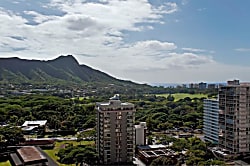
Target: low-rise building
(148, 153)
(30, 127)
(30, 156)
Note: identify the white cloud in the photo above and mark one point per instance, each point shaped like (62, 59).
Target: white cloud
(82, 28)
(120, 15)
(149, 55)
(167, 8)
(40, 18)
(189, 60)
(193, 49)
(154, 45)
(242, 49)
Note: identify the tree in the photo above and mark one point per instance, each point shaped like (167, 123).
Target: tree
(165, 126)
(13, 135)
(197, 151)
(79, 154)
(150, 122)
(14, 110)
(170, 97)
(164, 161)
(150, 140)
(180, 144)
(13, 119)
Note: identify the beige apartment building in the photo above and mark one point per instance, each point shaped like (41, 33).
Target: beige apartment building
(115, 131)
(234, 117)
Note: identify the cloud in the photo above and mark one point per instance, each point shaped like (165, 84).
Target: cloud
(40, 18)
(167, 8)
(120, 15)
(242, 49)
(149, 55)
(193, 50)
(80, 27)
(201, 9)
(154, 45)
(189, 60)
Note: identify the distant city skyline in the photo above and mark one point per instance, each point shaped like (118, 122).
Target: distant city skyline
(146, 41)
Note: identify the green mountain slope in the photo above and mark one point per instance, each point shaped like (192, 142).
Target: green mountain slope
(62, 70)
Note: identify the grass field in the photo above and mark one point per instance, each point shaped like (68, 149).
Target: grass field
(5, 163)
(52, 153)
(178, 96)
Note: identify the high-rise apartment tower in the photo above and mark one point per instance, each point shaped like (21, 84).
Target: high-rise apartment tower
(234, 117)
(115, 131)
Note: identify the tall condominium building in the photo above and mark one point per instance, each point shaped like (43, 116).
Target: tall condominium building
(115, 131)
(210, 120)
(234, 117)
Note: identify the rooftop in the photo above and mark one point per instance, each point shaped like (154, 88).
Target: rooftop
(30, 153)
(114, 105)
(35, 123)
(144, 147)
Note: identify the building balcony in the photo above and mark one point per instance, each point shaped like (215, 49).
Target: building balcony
(221, 112)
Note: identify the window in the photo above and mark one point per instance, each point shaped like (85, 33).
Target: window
(117, 130)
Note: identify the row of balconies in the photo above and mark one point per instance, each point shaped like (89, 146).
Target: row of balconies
(210, 115)
(209, 131)
(211, 127)
(211, 120)
(209, 124)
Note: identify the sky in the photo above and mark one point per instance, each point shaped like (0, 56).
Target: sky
(146, 41)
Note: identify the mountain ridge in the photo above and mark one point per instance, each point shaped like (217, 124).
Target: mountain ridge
(63, 69)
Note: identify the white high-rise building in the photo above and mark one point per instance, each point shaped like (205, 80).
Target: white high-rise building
(211, 120)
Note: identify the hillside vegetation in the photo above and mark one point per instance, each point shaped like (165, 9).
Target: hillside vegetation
(64, 70)
(178, 96)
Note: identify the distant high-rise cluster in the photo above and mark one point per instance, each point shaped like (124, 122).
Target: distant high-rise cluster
(203, 85)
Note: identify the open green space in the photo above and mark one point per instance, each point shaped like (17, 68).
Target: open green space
(52, 152)
(5, 163)
(178, 96)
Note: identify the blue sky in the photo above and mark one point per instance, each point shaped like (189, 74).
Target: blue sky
(147, 41)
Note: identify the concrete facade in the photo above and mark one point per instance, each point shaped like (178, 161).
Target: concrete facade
(211, 120)
(234, 117)
(115, 132)
(140, 133)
